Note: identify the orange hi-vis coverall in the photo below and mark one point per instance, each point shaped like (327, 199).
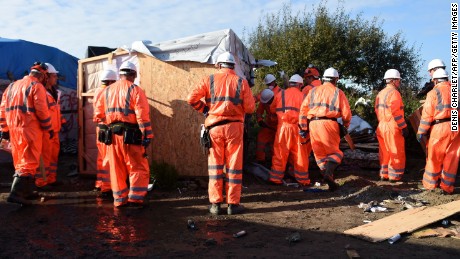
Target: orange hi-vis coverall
(102, 164)
(125, 102)
(266, 136)
(443, 145)
(389, 109)
(318, 114)
(24, 113)
(50, 149)
(288, 143)
(310, 86)
(228, 97)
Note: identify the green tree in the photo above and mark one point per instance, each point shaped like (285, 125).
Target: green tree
(359, 49)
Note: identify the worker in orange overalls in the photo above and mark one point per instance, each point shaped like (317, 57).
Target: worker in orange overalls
(311, 77)
(392, 128)
(318, 116)
(124, 108)
(24, 119)
(102, 184)
(444, 144)
(228, 98)
(288, 143)
(50, 149)
(267, 131)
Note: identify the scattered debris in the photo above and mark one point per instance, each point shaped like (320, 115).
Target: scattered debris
(394, 238)
(240, 234)
(406, 221)
(295, 185)
(294, 237)
(372, 206)
(150, 187)
(191, 225)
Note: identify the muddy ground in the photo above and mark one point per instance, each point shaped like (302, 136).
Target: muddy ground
(73, 223)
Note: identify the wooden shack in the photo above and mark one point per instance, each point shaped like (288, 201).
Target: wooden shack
(167, 72)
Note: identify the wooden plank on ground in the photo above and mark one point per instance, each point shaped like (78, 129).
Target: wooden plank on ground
(403, 222)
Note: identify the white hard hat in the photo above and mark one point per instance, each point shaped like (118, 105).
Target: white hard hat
(127, 65)
(436, 63)
(51, 69)
(440, 73)
(109, 75)
(296, 79)
(225, 57)
(269, 78)
(331, 72)
(266, 95)
(392, 74)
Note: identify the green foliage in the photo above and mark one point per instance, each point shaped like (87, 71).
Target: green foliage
(165, 175)
(360, 50)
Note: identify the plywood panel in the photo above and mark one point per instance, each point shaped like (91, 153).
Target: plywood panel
(175, 124)
(404, 222)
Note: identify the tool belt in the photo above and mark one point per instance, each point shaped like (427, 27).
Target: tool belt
(440, 121)
(323, 118)
(220, 123)
(104, 134)
(130, 131)
(205, 138)
(342, 130)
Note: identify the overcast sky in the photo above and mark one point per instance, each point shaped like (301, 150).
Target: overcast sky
(72, 25)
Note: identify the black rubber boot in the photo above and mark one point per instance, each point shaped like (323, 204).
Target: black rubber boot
(329, 175)
(19, 190)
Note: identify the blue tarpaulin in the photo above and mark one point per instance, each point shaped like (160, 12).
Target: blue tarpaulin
(17, 56)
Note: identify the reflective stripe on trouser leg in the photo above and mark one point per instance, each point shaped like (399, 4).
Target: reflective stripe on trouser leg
(280, 154)
(325, 140)
(215, 168)
(384, 171)
(118, 170)
(26, 147)
(436, 148)
(234, 162)
(391, 149)
(265, 139)
(227, 141)
(397, 163)
(450, 163)
(46, 155)
(54, 158)
(138, 171)
(301, 162)
(384, 156)
(103, 168)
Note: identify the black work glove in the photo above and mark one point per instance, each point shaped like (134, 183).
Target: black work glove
(205, 111)
(5, 135)
(303, 133)
(343, 130)
(262, 124)
(146, 142)
(405, 132)
(51, 132)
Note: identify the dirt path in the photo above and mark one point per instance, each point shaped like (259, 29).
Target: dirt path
(72, 223)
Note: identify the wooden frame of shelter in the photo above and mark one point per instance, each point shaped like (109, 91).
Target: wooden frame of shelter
(176, 126)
